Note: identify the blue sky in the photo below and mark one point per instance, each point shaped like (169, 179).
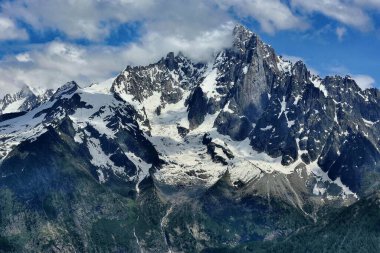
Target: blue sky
(47, 43)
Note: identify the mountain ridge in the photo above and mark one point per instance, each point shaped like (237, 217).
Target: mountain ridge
(23, 100)
(247, 147)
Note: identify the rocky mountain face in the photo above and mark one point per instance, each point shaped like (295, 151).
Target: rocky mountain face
(244, 151)
(22, 101)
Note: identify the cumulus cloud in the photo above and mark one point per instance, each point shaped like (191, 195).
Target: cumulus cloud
(52, 64)
(368, 3)
(23, 57)
(77, 19)
(197, 29)
(95, 20)
(273, 15)
(199, 48)
(9, 30)
(343, 11)
(364, 81)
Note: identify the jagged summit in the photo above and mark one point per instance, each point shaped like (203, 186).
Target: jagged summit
(28, 98)
(242, 34)
(25, 91)
(68, 87)
(24, 100)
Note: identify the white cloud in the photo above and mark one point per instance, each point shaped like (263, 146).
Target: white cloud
(368, 3)
(95, 20)
(9, 30)
(364, 81)
(53, 64)
(340, 32)
(77, 19)
(23, 57)
(273, 15)
(200, 48)
(343, 11)
(191, 27)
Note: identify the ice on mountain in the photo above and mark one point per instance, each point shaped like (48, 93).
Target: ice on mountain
(245, 70)
(209, 84)
(317, 82)
(269, 127)
(15, 106)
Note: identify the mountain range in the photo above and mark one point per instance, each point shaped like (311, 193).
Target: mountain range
(248, 152)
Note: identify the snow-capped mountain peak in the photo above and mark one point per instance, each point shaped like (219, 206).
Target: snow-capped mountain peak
(23, 100)
(245, 134)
